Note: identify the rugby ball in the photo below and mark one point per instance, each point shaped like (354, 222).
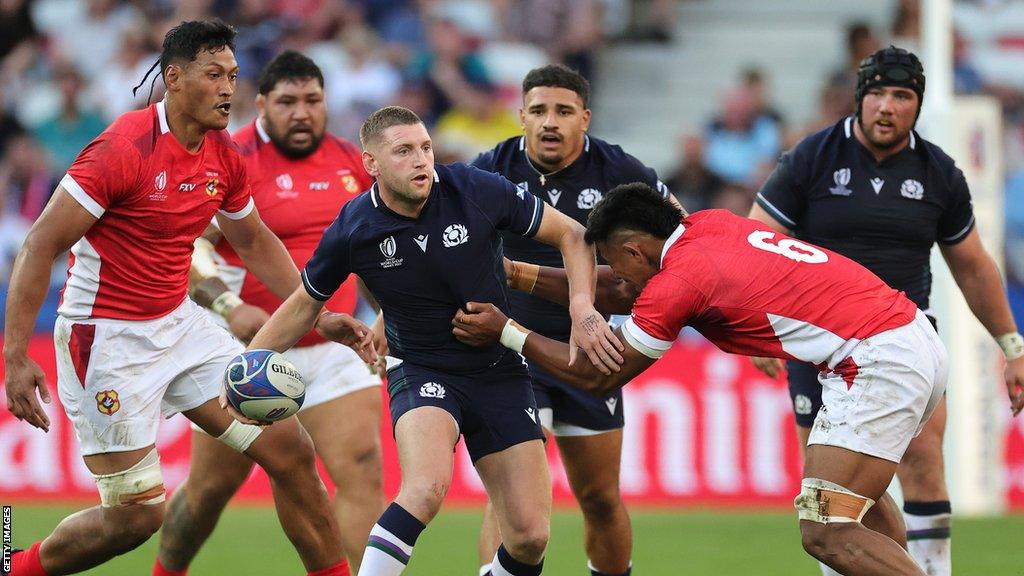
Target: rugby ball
(264, 385)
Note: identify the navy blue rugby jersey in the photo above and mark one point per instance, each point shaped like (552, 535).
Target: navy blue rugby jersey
(422, 270)
(830, 191)
(573, 190)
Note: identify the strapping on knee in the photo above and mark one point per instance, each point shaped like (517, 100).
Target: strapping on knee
(143, 483)
(240, 436)
(827, 502)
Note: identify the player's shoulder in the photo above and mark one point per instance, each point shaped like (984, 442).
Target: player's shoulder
(247, 139)
(501, 155)
(359, 212)
(937, 158)
(463, 178)
(628, 167)
(137, 129)
(342, 145)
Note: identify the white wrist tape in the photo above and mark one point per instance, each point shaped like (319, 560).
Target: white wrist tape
(202, 258)
(225, 303)
(513, 336)
(1012, 345)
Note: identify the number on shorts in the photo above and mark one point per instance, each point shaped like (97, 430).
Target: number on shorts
(788, 247)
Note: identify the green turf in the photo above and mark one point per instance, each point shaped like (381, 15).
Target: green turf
(249, 541)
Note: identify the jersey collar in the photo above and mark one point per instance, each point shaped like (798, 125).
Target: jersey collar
(161, 116)
(563, 169)
(379, 204)
(669, 242)
(848, 130)
(262, 132)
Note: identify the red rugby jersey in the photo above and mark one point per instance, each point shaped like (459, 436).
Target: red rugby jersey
(753, 291)
(298, 199)
(152, 198)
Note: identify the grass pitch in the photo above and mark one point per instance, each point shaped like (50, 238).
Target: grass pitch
(249, 541)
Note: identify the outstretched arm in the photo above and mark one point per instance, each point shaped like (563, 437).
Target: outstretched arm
(613, 295)
(589, 330)
(482, 324)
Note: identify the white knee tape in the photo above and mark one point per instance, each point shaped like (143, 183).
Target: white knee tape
(240, 436)
(825, 502)
(140, 484)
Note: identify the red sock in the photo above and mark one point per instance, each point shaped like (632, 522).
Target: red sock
(339, 569)
(26, 562)
(159, 570)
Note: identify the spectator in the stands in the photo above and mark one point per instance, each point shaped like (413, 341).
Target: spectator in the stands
(692, 183)
(449, 68)
(739, 142)
(74, 125)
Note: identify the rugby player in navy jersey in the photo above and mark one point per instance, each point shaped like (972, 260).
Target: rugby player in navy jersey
(558, 162)
(424, 239)
(873, 190)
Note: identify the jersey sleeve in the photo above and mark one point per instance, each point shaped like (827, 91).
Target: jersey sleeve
(506, 205)
(330, 264)
(104, 172)
(238, 202)
(958, 218)
(661, 311)
(784, 195)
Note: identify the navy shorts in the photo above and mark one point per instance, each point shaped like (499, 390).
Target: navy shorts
(575, 412)
(805, 390)
(494, 408)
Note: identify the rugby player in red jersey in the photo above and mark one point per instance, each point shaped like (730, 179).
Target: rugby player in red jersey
(130, 346)
(751, 290)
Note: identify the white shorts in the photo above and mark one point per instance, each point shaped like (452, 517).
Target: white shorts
(116, 377)
(878, 399)
(330, 370)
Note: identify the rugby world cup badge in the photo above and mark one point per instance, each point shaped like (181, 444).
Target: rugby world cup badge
(107, 402)
(388, 247)
(841, 178)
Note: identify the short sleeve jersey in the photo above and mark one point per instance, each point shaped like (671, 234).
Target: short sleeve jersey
(573, 190)
(297, 199)
(152, 198)
(422, 270)
(753, 291)
(830, 191)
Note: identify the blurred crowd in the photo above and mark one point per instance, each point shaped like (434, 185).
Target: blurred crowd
(67, 68)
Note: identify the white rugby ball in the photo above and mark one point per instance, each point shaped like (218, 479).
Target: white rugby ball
(264, 385)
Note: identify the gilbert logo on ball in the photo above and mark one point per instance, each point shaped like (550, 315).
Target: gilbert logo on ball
(264, 385)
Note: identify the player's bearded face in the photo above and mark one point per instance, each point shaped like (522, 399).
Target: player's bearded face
(555, 123)
(887, 116)
(208, 84)
(294, 115)
(405, 162)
